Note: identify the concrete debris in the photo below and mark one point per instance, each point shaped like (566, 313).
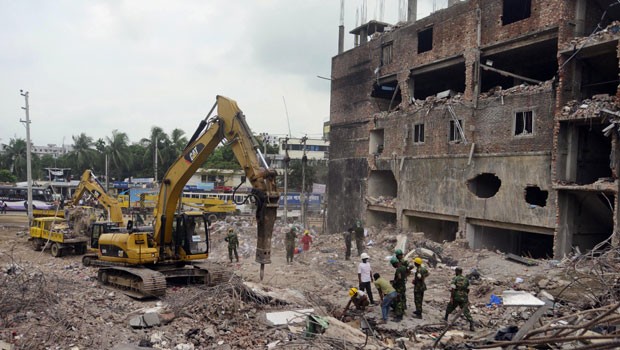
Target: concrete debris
(286, 317)
(611, 32)
(383, 201)
(238, 311)
(601, 105)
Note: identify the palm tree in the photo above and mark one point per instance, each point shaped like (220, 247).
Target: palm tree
(157, 141)
(83, 153)
(178, 141)
(119, 155)
(15, 155)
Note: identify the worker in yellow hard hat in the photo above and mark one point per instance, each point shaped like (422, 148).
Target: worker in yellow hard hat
(306, 239)
(419, 286)
(357, 298)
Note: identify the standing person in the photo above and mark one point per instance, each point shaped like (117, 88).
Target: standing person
(2, 207)
(364, 276)
(399, 255)
(387, 293)
(419, 286)
(306, 240)
(233, 243)
(347, 245)
(459, 291)
(289, 241)
(400, 285)
(358, 230)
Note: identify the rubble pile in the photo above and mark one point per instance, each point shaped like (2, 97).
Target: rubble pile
(519, 89)
(609, 33)
(383, 201)
(591, 108)
(56, 303)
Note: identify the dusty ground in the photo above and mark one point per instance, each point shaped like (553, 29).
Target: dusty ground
(56, 303)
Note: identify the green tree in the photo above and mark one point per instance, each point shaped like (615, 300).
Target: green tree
(222, 158)
(83, 153)
(315, 172)
(15, 156)
(119, 154)
(6, 176)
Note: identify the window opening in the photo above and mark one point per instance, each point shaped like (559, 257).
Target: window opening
(535, 196)
(516, 10)
(418, 133)
(425, 40)
(523, 123)
(386, 54)
(455, 130)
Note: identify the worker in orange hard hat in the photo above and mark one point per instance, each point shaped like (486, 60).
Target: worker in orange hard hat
(419, 285)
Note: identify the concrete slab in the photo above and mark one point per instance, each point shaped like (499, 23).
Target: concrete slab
(520, 298)
(286, 317)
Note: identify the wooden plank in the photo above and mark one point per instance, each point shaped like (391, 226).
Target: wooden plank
(530, 323)
(521, 260)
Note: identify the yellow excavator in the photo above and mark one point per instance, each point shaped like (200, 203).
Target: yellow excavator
(90, 184)
(139, 263)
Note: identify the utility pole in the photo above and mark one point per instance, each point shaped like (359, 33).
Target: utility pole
(155, 160)
(28, 156)
(286, 160)
(304, 160)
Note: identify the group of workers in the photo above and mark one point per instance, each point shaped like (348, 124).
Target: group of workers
(289, 242)
(393, 293)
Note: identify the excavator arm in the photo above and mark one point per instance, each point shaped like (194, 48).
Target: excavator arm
(89, 183)
(228, 125)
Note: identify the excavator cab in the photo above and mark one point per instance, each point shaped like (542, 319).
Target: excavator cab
(191, 234)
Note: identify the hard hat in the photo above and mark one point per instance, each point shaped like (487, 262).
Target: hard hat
(352, 291)
(306, 232)
(393, 260)
(364, 256)
(398, 252)
(294, 228)
(417, 261)
(230, 229)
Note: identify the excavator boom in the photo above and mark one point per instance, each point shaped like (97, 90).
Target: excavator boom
(89, 183)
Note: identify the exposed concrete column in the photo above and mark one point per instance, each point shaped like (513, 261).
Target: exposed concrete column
(412, 10)
(580, 18)
(572, 151)
(566, 225)
(340, 39)
(615, 239)
(363, 36)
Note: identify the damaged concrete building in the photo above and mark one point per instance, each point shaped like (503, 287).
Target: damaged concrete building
(490, 120)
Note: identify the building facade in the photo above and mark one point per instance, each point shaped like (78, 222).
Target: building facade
(490, 120)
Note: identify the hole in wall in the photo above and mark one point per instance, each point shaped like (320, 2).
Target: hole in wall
(535, 196)
(484, 185)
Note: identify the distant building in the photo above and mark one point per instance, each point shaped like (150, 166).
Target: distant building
(271, 140)
(51, 149)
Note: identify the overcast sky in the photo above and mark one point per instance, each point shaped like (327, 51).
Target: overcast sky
(95, 66)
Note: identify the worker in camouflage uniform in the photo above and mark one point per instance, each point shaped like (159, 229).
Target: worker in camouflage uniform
(419, 286)
(400, 284)
(347, 244)
(459, 290)
(233, 243)
(358, 231)
(399, 255)
(289, 241)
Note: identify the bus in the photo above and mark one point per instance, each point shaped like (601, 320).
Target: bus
(244, 208)
(16, 197)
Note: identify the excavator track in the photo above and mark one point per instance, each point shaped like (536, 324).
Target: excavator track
(139, 283)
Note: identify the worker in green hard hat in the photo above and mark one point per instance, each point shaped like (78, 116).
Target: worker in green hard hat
(400, 284)
(399, 255)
